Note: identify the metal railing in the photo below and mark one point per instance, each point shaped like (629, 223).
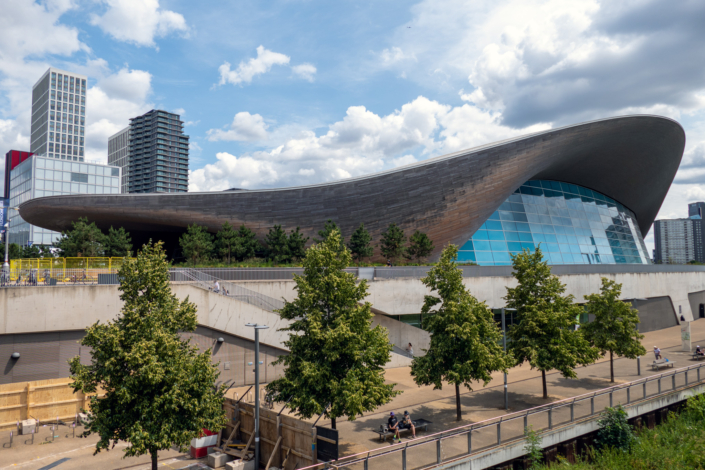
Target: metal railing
(55, 277)
(255, 274)
(465, 440)
(207, 281)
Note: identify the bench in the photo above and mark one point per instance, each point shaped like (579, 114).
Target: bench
(697, 357)
(384, 431)
(658, 363)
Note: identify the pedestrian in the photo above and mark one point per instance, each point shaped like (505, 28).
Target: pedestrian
(410, 350)
(657, 353)
(389, 263)
(216, 287)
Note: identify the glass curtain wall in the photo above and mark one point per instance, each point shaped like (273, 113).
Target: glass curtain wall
(572, 225)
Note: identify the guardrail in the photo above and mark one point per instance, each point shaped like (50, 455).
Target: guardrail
(33, 277)
(465, 440)
(255, 274)
(206, 281)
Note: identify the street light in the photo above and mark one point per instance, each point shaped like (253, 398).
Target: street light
(257, 328)
(504, 343)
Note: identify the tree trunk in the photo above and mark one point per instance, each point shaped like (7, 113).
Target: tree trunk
(543, 379)
(458, 414)
(332, 423)
(154, 460)
(611, 368)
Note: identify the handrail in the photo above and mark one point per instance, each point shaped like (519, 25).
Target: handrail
(497, 421)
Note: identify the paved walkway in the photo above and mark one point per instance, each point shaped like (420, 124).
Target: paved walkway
(437, 406)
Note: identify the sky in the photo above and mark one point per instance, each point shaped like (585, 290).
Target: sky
(291, 92)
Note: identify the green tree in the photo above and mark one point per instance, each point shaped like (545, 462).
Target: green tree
(359, 244)
(159, 390)
(465, 339)
(196, 244)
(328, 228)
(118, 243)
(277, 245)
(29, 252)
(545, 335)
(247, 244)
(83, 239)
(14, 251)
(420, 246)
(614, 429)
(227, 241)
(335, 356)
(297, 244)
(392, 243)
(614, 328)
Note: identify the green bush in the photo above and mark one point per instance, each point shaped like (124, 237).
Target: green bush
(614, 430)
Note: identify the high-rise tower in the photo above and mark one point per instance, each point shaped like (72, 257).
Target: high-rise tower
(59, 115)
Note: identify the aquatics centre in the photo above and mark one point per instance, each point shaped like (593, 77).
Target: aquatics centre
(588, 193)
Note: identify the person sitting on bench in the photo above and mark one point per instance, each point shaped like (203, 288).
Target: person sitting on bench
(657, 353)
(393, 426)
(406, 423)
(699, 351)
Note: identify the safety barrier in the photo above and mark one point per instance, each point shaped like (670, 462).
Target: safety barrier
(465, 440)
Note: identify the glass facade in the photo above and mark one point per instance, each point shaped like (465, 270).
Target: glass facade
(40, 176)
(572, 225)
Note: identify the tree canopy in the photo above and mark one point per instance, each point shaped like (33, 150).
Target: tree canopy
(420, 246)
(84, 239)
(392, 242)
(614, 328)
(465, 339)
(277, 245)
(297, 244)
(226, 240)
(328, 228)
(545, 335)
(247, 244)
(196, 244)
(359, 244)
(336, 359)
(159, 390)
(118, 243)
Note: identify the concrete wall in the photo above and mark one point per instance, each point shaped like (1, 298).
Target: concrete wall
(46, 355)
(696, 298)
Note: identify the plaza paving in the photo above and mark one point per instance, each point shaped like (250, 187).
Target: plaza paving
(437, 406)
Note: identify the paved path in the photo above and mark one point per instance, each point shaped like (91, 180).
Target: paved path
(437, 406)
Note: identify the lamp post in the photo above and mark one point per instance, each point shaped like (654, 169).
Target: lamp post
(638, 358)
(257, 328)
(504, 343)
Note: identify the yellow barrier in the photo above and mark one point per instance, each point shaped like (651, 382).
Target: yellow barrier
(66, 263)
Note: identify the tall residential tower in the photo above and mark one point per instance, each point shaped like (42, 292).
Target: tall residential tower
(59, 115)
(119, 155)
(158, 154)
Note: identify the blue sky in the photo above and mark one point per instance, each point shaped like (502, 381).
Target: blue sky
(293, 92)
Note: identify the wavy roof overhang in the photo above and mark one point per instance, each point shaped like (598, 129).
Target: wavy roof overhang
(632, 159)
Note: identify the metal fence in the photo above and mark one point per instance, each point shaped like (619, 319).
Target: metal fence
(447, 445)
(31, 277)
(207, 281)
(255, 274)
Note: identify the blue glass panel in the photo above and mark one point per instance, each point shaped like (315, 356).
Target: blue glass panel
(466, 256)
(481, 245)
(571, 223)
(527, 246)
(514, 246)
(492, 235)
(498, 246)
(468, 246)
(480, 235)
(493, 225)
(525, 237)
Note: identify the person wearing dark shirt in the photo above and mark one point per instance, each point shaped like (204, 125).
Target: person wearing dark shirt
(393, 425)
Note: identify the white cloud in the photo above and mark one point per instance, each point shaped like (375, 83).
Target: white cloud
(138, 21)
(180, 112)
(246, 71)
(394, 55)
(109, 106)
(362, 142)
(305, 71)
(245, 127)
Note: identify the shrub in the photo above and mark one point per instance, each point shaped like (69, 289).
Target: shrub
(534, 453)
(614, 430)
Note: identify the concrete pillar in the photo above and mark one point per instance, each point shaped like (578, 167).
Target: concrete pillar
(550, 455)
(650, 420)
(636, 422)
(661, 415)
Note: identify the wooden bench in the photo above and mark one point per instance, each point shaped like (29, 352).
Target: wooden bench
(384, 431)
(658, 363)
(697, 357)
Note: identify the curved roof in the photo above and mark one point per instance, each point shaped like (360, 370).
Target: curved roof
(632, 159)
